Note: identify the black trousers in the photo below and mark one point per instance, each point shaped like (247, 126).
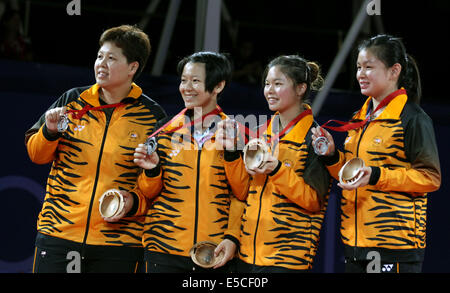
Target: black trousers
(54, 261)
(365, 266)
(152, 267)
(57, 255)
(243, 267)
(157, 262)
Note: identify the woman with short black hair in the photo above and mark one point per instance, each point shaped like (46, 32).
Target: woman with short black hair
(87, 135)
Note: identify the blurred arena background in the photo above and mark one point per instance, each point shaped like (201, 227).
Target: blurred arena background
(55, 51)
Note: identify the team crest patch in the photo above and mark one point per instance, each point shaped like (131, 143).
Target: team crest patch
(133, 136)
(288, 163)
(377, 140)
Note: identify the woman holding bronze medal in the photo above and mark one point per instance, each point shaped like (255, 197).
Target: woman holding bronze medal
(193, 222)
(289, 185)
(89, 134)
(389, 164)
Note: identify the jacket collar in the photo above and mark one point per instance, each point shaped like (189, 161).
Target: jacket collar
(91, 95)
(183, 120)
(391, 111)
(300, 129)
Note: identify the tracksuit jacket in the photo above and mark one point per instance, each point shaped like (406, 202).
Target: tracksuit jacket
(389, 214)
(93, 155)
(284, 210)
(190, 195)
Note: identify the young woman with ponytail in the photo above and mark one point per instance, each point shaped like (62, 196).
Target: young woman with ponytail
(287, 196)
(383, 220)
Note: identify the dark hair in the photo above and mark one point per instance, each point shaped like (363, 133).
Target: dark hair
(391, 50)
(299, 70)
(134, 43)
(217, 68)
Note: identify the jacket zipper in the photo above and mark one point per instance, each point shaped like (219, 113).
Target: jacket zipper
(196, 194)
(356, 195)
(257, 221)
(83, 246)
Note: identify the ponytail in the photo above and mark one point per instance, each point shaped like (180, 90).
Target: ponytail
(315, 79)
(299, 70)
(410, 80)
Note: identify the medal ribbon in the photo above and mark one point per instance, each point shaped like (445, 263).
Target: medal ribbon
(216, 111)
(249, 134)
(77, 114)
(293, 122)
(346, 126)
(247, 131)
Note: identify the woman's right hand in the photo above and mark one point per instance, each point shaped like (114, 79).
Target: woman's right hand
(143, 160)
(319, 131)
(227, 134)
(52, 118)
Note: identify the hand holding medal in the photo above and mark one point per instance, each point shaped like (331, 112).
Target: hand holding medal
(56, 120)
(227, 134)
(143, 159)
(258, 157)
(354, 174)
(151, 144)
(323, 142)
(114, 204)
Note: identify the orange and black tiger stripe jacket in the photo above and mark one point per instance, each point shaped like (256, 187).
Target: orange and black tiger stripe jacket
(192, 200)
(93, 155)
(284, 210)
(389, 214)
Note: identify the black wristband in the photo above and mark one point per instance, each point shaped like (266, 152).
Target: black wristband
(153, 172)
(50, 136)
(232, 238)
(274, 171)
(375, 175)
(230, 156)
(135, 206)
(330, 160)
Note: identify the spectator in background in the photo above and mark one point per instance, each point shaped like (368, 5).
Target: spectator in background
(13, 44)
(247, 68)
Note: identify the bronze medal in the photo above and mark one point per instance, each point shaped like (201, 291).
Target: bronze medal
(351, 172)
(256, 153)
(202, 254)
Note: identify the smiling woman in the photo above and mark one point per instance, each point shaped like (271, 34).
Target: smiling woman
(384, 210)
(375, 78)
(186, 180)
(113, 73)
(193, 90)
(119, 62)
(288, 194)
(89, 157)
(206, 73)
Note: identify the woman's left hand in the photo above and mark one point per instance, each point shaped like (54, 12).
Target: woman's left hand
(127, 205)
(229, 249)
(363, 181)
(267, 168)
(227, 134)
